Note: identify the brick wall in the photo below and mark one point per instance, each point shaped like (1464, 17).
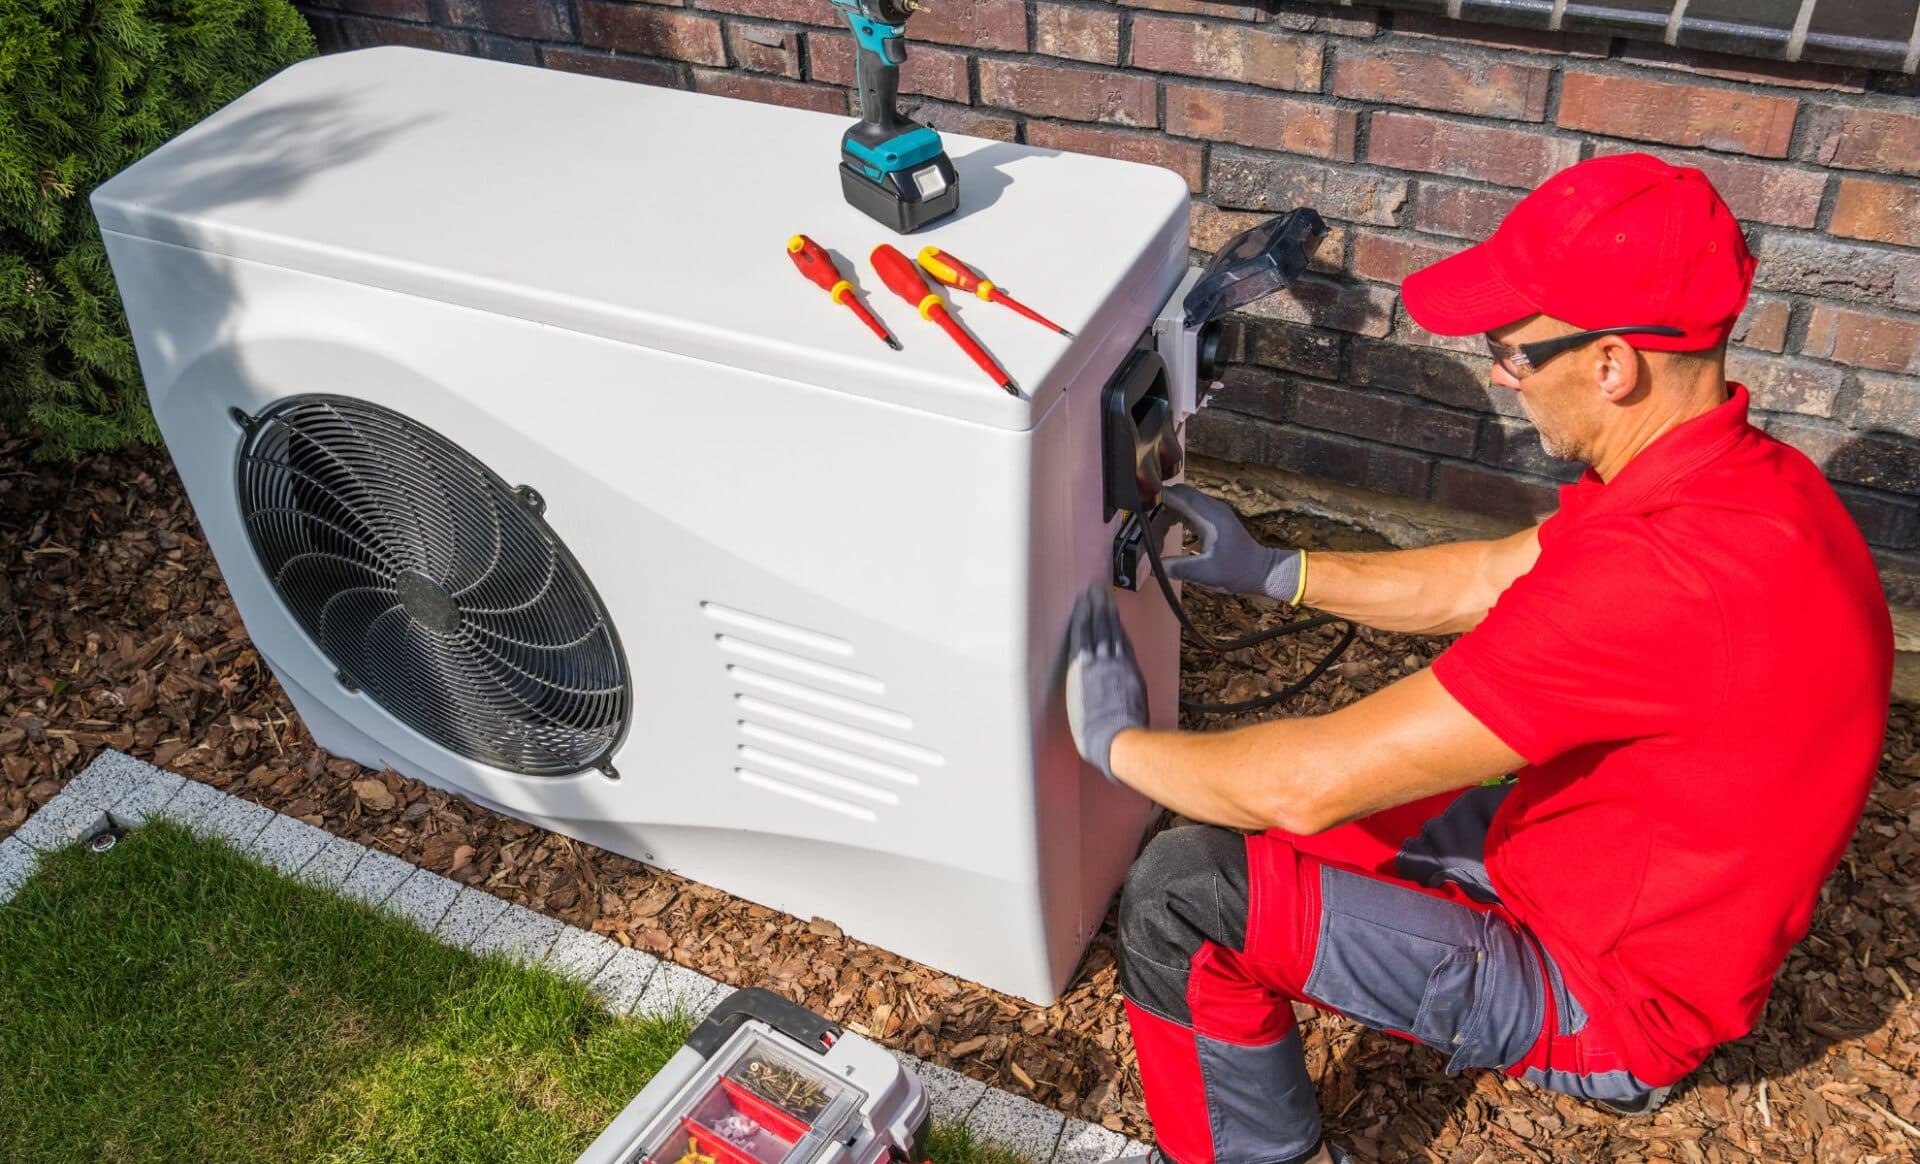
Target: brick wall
(1412, 134)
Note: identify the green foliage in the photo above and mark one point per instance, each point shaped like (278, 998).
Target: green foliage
(87, 87)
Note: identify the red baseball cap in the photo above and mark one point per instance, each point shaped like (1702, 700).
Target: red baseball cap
(1608, 242)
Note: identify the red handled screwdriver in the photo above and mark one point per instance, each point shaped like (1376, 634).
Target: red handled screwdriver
(816, 264)
(899, 273)
(958, 275)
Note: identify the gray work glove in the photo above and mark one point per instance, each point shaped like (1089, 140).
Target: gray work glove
(1105, 691)
(1229, 559)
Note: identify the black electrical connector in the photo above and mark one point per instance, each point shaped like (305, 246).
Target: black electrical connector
(1224, 646)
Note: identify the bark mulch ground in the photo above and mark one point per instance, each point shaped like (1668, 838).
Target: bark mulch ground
(117, 631)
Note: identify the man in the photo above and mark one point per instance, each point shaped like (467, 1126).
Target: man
(1687, 667)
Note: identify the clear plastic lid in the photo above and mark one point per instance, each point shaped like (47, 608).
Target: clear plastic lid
(757, 1104)
(1258, 262)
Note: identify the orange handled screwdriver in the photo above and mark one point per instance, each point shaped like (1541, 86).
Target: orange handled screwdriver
(956, 274)
(899, 273)
(816, 264)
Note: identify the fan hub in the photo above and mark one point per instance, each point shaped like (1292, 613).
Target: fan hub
(428, 602)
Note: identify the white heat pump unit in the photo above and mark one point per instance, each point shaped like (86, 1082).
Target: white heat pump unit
(537, 473)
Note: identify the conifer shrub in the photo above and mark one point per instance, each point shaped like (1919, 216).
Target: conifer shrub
(87, 87)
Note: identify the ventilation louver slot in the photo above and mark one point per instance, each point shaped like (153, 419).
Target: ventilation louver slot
(813, 727)
(433, 586)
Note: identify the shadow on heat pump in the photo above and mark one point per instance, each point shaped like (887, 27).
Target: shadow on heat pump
(983, 174)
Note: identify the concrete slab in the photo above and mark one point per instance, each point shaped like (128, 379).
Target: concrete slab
(148, 797)
(624, 978)
(333, 864)
(17, 862)
(950, 1095)
(1009, 1120)
(192, 808)
(58, 823)
(238, 820)
(1085, 1143)
(580, 955)
(107, 781)
(423, 899)
(676, 988)
(520, 934)
(375, 878)
(287, 844)
(468, 918)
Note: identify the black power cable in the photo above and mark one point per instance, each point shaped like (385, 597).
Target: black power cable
(1224, 646)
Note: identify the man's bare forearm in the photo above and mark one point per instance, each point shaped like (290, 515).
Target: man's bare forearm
(1439, 589)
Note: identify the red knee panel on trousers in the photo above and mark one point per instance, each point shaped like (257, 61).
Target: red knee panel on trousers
(1231, 1004)
(1176, 1093)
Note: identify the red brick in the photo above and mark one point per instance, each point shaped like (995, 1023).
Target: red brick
(932, 72)
(596, 64)
(961, 119)
(1341, 304)
(1781, 384)
(763, 48)
(1865, 139)
(1081, 34)
(1075, 94)
(1183, 158)
(1229, 52)
(653, 32)
(1462, 380)
(1750, 71)
(1889, 404)
(1441, 81)
(1763, 325)
(798, 11)
(1560, 44)
(1689, 115)
(1388, 258)
(1290, 124)
(533, 19)
(1377, 416)
(1755, 191)
(1886, 212)
(1211, 228)
(1885, 343)
(1823, 268)
(1505, 157)
(360, 33)
(1243, 180)
(987, 24)
(769, 90)
(415, 10)
(1247, 12)
(1489, 491)
(1462, 211)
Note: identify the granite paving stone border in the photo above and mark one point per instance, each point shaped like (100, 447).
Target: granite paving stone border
(119, 790)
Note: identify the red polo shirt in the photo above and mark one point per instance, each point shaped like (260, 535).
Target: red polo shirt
(1697, 672)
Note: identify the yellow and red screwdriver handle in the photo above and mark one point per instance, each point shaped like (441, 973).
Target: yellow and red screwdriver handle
(816, 264)
(956, 274)
(898, 273)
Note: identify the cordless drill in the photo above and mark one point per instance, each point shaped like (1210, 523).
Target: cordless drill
(891, 168)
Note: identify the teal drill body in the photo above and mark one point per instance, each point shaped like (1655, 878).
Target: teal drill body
(891, 168)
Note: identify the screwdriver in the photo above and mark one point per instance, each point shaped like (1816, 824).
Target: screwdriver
(899, 273)
(816, 264)
(956, 274)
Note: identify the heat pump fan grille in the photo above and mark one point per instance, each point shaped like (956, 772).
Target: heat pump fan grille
(433, 586)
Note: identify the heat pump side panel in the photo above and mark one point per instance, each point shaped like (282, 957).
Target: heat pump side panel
(804, 582)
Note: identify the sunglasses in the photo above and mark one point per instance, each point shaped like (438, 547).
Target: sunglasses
(1525, 359)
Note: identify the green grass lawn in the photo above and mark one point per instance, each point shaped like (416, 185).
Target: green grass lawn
(171, 1000)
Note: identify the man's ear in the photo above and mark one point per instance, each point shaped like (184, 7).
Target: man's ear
(1616, 368)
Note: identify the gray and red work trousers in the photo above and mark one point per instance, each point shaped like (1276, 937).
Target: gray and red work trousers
(1390, 921)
